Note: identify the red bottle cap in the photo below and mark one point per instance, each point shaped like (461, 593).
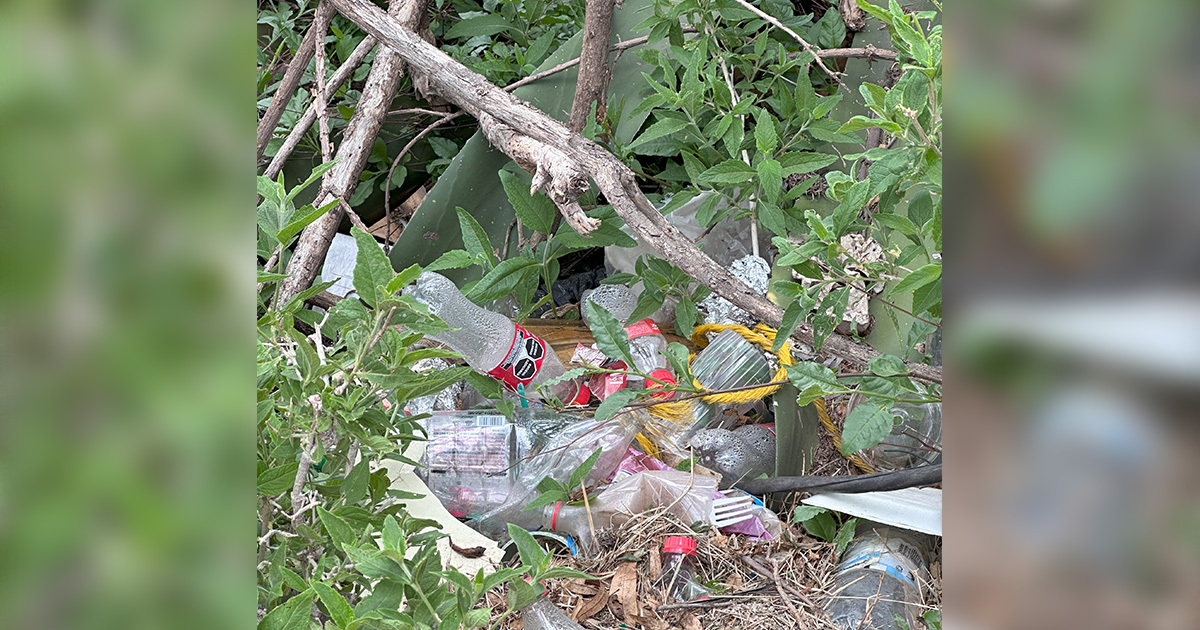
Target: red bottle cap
(679, 544)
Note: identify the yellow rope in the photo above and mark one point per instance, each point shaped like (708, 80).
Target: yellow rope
(834, 433)
(761, 335)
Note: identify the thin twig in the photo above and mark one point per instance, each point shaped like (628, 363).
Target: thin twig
(760, 13)
(870, 52)
(783, 595)
(908, 374)
(353, 216)
(289, 83)
(270, 263)
(321, 98)
(310, 115)
(387, 188)
(912, 115)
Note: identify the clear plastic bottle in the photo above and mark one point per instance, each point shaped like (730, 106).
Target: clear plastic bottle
(679, 570)
(646, 342)
(690, 499)
(743, 453)
(544, 615)
(915, 438)
(618, 299)
(493, 344)
(727, 362)
(881, 574)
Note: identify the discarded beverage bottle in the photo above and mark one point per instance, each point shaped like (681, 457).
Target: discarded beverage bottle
(646, 342)
(493, 344)
(544, 615)
(915, 438)
(880, 579)
(679, 569)
(743, 453)
(618, 299)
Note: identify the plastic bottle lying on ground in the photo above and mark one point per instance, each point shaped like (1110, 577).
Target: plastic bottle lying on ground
(743, 453)
(544, 615)
(493, 344)
(880, 579)
(915, 438)
(689, 497)
(646, 342)
(679, 570)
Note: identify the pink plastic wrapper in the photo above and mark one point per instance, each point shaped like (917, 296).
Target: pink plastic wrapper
(764, 526)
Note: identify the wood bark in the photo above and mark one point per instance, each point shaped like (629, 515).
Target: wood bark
(594, 71)
(477, 96)
(852, 15)
(357, 140)
(291, 80)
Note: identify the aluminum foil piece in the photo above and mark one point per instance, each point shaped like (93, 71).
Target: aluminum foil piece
(445, 400)
(754, 272)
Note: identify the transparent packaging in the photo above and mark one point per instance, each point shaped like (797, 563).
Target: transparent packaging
(618, 299)
(915, 438)
(880, 579)
(689, 497)
(493, 344)
(743, 453)
(544, 615)
(679, 575)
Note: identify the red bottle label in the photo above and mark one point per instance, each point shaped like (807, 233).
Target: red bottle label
(642, 328)
(523, 362)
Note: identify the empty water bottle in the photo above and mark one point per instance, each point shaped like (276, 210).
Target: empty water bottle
(679, 569)
(544, 615)
(646, 342)
(880, 579)
(915, 438)
(728, 362)
(493, 344)
(618, 299)
(743, 453)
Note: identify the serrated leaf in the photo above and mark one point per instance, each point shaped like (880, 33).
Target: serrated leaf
(371, 267)
(611, 337)
(918, 278)
(453, 259)
(918, 47)
(531, 554)
(825, 104)
(565, 572)
(337, 606)
(535, 211)
(729, 172)
(277, 480)
(500, 280)
(806, 512)
(927, 298)
(844, 536)
(770, 177)
(338, 529)
(806, 374)
(851, 205)
(403, 278)
(306, 217)
(875, 96)
(897, 222)
(862, 122)
(475, 239)
(615, 401)
(479, 25)
(582, 471)
(791, 317)
(804, 162)
(807, 396)
(313, 177)
(663, 127)
(354, 488)
(920, 208)
(647, 304)
(485, 385)
(685, 317)
(765, 137)
(887, 365)
(867, 424)
(346, 311)
(290, 615)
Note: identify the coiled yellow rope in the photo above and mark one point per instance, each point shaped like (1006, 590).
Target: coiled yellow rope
(827, 422)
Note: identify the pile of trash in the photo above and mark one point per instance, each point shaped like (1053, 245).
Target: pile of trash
(648, 498)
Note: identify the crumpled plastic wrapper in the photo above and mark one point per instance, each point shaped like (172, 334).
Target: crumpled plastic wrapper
(754, 272)
(862, 249)
(445, 400)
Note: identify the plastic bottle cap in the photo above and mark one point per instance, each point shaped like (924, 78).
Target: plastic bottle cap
(679, 544)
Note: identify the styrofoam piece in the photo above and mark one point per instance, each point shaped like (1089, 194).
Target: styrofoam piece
(404, 478)
(339, 264)
(918, 509)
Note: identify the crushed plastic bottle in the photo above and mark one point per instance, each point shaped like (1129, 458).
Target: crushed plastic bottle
(646, 342)
(880, 576)
(743, 453)
(915, 438)
(618, 299)
(544, 615)
(679, 570)
(690, 498)
(493, 344)
(728, 362)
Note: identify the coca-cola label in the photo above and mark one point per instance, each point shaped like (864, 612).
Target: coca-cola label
(662, 375)
(523, 362)
(642, 328)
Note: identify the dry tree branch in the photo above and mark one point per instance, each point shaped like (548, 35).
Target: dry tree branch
(287, 85)
(807, 46)
(594, 71)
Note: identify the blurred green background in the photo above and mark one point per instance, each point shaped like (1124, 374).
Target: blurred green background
(126, 406)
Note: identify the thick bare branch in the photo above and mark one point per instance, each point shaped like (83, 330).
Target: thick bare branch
(477, 96)
(594, 71)
(289, 83)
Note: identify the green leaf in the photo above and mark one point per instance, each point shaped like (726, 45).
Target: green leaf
(887, 365)
(531, 554)
(685, 316)
(806, 512)
(371, 268)
(338, 529)
(647, 303)
(535, 211)
(765, 137)
(927, 298)
(453, 259)
(734, 136)
(293, 580)
(825, 104)
(610, 335)
(486, 385)
(565, 572)
(844, 536)
(851, 205)
(582, 471)
(867, 424)
(290, 615)
(897, 222)
(770, 177)
(875, 96)
(337, 606)
(806, 374)
(475, 239)
(520, 592)
(354, 487)
(918, 47)
(313, 177)
(830, 31)
(791, 317)
(822, 526)
(862, 122)
(663, 127)
(307, 216)
(918, 278)
(615, 401)
(875, 11)
(277, 480)
(807, 396)
(805, 162)
(403, 278)
(393, 536)
(345, 312)
(500, 280)
(729, 172)
(920, 208)
(480, 25)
